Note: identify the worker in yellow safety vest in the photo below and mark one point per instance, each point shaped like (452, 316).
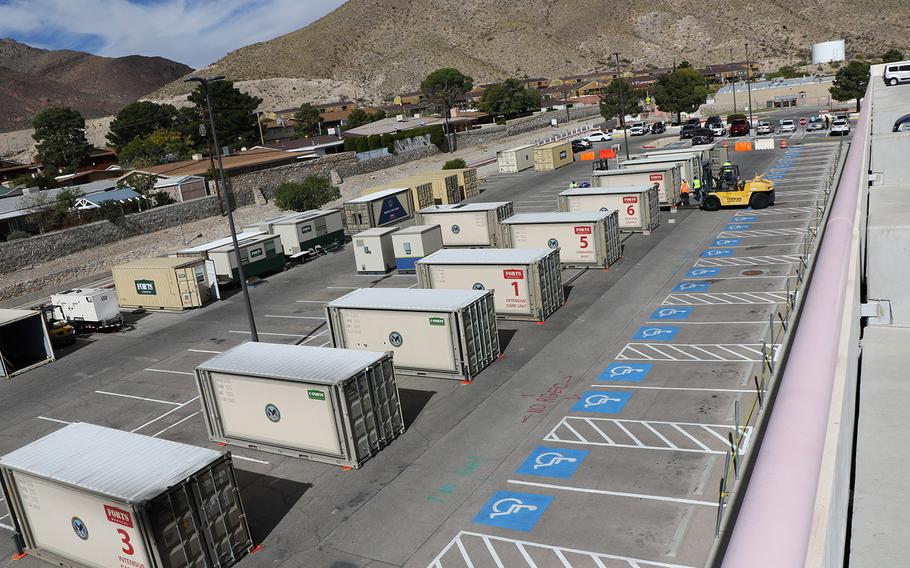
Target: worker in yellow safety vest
(573, 184)
(684, 191)
(696, 188)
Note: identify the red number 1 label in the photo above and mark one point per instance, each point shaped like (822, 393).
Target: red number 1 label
(515, 287)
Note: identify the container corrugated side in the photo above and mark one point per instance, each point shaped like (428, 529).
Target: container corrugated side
(551, 292)
(653, 209)
(479, 335)
(611, 236)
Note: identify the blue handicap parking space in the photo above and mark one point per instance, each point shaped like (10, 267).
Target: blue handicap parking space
(515, 511)
(702, 272)
(714, 253)
(672, 313)
(691, 286)
(656, 332)
(552, 462)
(744, 218)
(738, 227)
(628, 372)
(611, 402)
(726, 242)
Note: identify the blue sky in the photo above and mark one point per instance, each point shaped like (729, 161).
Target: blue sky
(195, 32)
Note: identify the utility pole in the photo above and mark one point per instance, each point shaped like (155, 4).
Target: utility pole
(622, 106)
(734, 79)
(259, 123)
(749, 83)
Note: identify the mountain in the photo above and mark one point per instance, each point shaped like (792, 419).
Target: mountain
(32, 79)
(373, 48)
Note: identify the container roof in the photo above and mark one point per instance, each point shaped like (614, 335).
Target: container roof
(656, 159)
(9, 316)
(378, 195)
(557, 217)
(556, 144)
(485, 256)
(205, 247)
(375, 232)
(246, 242)
(607, 190)
(161, 262)
(123, 465)
(293, 218)
(323, 365)
(418, 229)
(699, 148)
(517, 148)
(633, 168)
(418, 299)
(463, 207)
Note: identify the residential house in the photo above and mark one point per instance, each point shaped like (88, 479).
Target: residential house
(407, 110)
(414, 97)
(726, 72)
(18, 204)
(460, 121)
(182, 188)
(123, 195)
(316, 145)
(537, 83)
(237, 163)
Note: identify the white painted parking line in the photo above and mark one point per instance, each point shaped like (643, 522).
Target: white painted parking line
(696, 352)
(7, 527)
(759, 277)
(168, 371)
(181, 421)
(613, 493)
(342, 288)
(470, 549)
(763, 233)
(137, 397)
(168, 413)
(326, 343)
(680, 322)
(294, 317)
(53, 420)
(311, 301)
(660, 435)
(205, 351)
(236, 457)
(775, 211)
(694, 389)
(769, 221)
(267, 333)
(724, 298)
(748, 260)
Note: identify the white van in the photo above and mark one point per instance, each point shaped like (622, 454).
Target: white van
(897, 72)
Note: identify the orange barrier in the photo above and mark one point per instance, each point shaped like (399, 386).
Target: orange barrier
(743, 147)
(607, 154)
(586, 156)
(783, 142)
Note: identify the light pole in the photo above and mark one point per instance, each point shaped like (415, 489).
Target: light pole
(734, 80)
(228, 198)
(622, 107)
(749, 83)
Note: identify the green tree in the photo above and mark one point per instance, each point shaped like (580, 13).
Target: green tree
(308, 120)
(359, 117)
(235, 122)
(67, 198)
(456, 164)
(509, 98)
(610, 100)
(140, 118)
(312, 193)
(851, 82)
(786, 72)
(60, 134)
(159, 147)
(892, 55)
(684, 65)
(680, 91)
(444, 87)
(141, 183)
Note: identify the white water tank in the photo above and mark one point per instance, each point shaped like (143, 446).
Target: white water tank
(828, 51)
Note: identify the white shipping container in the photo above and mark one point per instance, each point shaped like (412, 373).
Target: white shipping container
(374, 252)
(336, 406)
(449, 334)
(413, 243)
(637, 207)
(527, 282)
(24, 342)
(689, 167)
(91, 308)
(516, 159)
(86, 496)
(666, 177)
(305, 230)
(468, 224)
(584, 239)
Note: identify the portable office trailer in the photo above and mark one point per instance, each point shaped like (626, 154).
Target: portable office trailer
(421, 191)
(413, 243)
(336, 406)
(302, 231)
(172, 283)
(637, 207)
(714, 153)
(260, 254)
(689, 165)
(24, 342)
(374, 252)
(378, 209)
(584, 239)
(516, 159)
(87, 496)
(527, 282)
(89, 308)
(447, 334)
(468, 224)
(553, 156)
(666, 177)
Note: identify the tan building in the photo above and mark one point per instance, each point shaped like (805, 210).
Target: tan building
(776, 93)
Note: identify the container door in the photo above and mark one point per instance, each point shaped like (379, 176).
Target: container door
(551, 291)
(418, 340)
(480, 336)
(512, 293)
(186, 283)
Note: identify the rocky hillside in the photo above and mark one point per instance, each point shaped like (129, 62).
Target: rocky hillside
(369, 48)
(32, 79)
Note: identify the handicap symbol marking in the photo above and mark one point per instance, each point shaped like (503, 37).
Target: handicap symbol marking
(672, 313)
(691, 286)
(726, 242)
(629, 372)
(744, 218)
(515, 511)
(656, 332)
(702, 272)
(738, 227)
(714, 253)
(601, 402)
(552, 462)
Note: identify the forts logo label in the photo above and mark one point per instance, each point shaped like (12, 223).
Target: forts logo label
(585, 230)
(513, 274)
(630, 199)
(656, 177)
(118, 516)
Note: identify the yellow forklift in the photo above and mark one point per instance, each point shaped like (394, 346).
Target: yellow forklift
(59, 330)
(729, 190)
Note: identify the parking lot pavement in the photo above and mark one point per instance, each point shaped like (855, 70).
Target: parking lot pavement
(596, 440)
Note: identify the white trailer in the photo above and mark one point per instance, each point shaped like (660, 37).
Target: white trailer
(260, 253)
(413, 243)
(637, 207)
(300, 232)
(89, 308)
(666, 177)
(374, 252)
(515, 159)
(378, 209)
(468, 224)
(24, 342)
(447, 334)
(337, 406)
(87, 496)
(584, 239)
(527, 282)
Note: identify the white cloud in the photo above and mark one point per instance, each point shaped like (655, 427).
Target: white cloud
(195, 32)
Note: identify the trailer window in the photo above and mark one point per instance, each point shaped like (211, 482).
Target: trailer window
(199, 273)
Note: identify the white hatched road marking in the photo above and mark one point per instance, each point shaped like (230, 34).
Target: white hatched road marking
(775, 211)
(747, 260)
(762, 233)
(657, 435)
(721, 298)
(470, 549)
(696, 352)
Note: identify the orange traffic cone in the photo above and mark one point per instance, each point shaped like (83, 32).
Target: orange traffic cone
(783, 143)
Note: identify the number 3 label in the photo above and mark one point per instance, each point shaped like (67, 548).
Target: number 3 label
(125, 539)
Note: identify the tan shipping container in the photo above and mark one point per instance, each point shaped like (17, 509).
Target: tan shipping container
(168, 283)
(445, 184)
(467, 181)
(553, 156)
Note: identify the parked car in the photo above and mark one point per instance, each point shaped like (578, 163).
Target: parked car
(639, 129)
(580, 145)
(740, 127)
(658, 127)
(902, 124)
(803, 121)
(693, 121)
(717, 128)
(764, 127)
(896, 73)
(713, 119)
(702, 136)
(687, 131)
(815, 124)
(840, 127)
(787, 125)
(598, 136)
